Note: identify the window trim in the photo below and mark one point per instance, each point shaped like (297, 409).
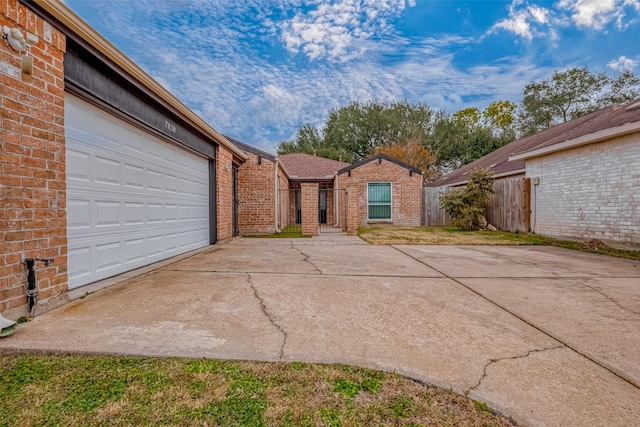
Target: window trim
(390, 219)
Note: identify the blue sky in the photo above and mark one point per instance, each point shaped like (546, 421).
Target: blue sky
(259, 69)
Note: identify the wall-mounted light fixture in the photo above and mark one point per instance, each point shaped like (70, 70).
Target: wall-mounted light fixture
(16, 40)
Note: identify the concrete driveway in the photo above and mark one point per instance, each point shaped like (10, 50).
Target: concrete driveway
(544, 335)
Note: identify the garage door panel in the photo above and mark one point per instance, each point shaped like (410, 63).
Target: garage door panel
(78, 165)
(78, 214)
(79, 263)
(132, 199)
(134, 250)
(108, 256)
(108, 213)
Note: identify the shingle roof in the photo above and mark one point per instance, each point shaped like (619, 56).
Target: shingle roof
(250, 149)
(307, 166)
(499, 162)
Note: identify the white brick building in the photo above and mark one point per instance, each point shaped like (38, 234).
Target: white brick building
(588, 187)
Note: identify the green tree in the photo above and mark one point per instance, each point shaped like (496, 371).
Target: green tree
(463, 137)
(467, 206)
(360, 128)
(355, 131)
(306, 140)
(469, 118)
(482, 142)
(500, 117)
(309, 140)
(448, 141)
(570, 94)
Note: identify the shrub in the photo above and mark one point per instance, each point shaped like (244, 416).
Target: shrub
(467, 206)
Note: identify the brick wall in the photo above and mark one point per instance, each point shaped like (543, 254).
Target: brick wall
(406, 191)
(257, 195)
(224, 185)
(284, 199)
(32, 164)
(309, 194)
(353, 203)
(589, 192)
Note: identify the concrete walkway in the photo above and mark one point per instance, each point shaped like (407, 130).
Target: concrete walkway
(544, 335)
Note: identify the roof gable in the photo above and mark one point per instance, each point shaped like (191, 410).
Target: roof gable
(379, 157)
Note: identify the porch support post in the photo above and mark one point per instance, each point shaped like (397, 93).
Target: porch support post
(309, 194)
(353, 207)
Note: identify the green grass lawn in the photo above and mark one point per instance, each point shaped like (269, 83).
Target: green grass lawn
(397, 235)
(289, 232)
(124, 391)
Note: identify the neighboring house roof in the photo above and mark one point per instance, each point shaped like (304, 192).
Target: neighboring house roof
(73, 22)
(605, 124)
(510, 159)
(306, 167)
(378, 157)
(250, 149)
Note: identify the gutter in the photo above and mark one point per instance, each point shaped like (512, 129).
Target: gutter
(73, 22)
(591, 138)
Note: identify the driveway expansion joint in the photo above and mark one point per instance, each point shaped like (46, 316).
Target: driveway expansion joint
(492, 361)
(263, 307)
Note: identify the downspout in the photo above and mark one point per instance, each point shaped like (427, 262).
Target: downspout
(32, 289)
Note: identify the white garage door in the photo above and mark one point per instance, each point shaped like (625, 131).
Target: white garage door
(132, 199)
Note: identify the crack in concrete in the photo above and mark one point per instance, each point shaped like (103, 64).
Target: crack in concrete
(263, 307)
(610, 299)
(307, 259)
(622, 376)
(492, 361)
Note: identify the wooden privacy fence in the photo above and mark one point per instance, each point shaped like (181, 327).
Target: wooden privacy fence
(509, 207)
(433, 215)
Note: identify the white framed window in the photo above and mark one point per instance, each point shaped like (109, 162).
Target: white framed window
(379, 201)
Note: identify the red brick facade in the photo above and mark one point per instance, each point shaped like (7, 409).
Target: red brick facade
(406, 191)
(32, 165)
(309, 208)
(257, 195)
(284, 199)
(224, 188)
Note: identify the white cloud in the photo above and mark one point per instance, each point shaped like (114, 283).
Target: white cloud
(622, 63)
(524, 20)
(595, 14)
(530, 21)
(517, 24)
(331, 30)
(540, 14)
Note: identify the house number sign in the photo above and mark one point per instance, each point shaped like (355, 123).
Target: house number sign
(170, 126)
